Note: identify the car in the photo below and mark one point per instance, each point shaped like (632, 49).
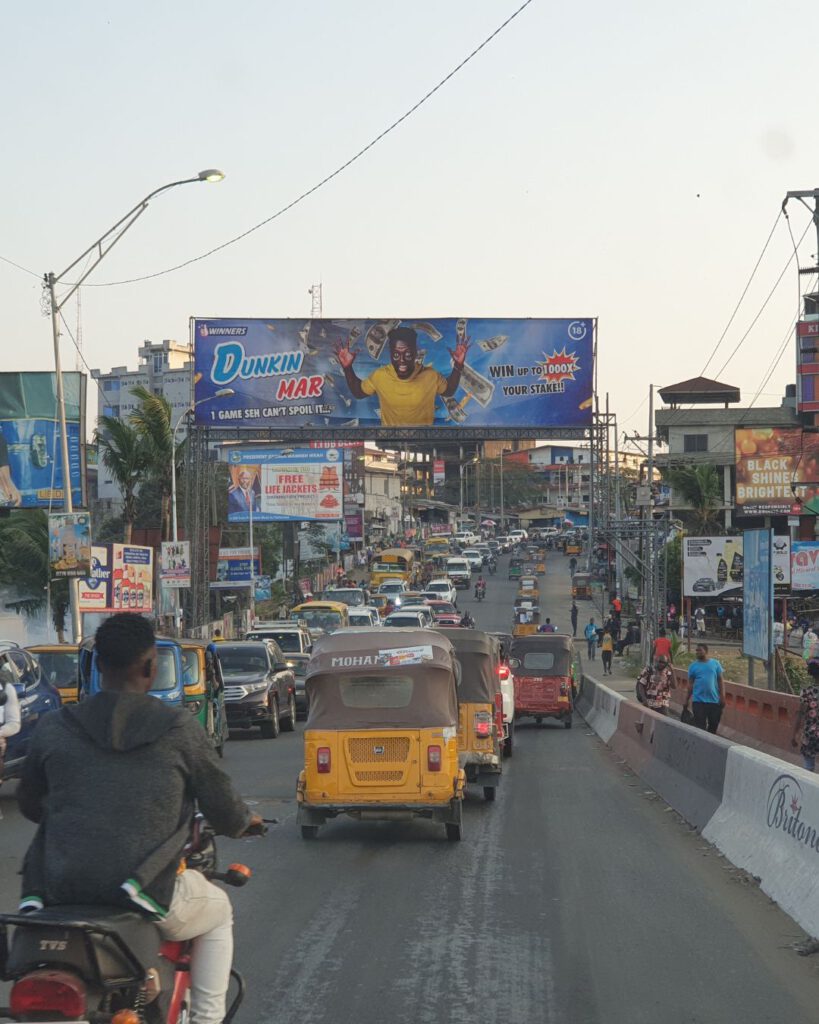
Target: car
(505, 544)
(355, 597)
(423, 610)
(260, 688)
(466, 537)
(408, 597)
(36, 695)
(459, 573)
(445, 613)
(518, 536)
(441, 590)
(474, 557)
(295, 643)
(364, 616)
(392, 587)
(507, 685)
(494, 546)
(406, 620)
(704, 585)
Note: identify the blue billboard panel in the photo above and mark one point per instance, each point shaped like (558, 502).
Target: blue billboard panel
(31, 467)
(757, 594)
(448, 372)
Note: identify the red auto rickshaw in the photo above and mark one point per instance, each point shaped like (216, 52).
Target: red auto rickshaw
(543, 670)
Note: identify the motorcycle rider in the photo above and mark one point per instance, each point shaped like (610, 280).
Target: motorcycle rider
(480, 587)
(467, 621)
(111, 782)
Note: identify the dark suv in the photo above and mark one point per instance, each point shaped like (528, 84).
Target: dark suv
(260, 688)
(36, 695)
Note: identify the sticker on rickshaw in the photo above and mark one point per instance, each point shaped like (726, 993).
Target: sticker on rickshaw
(405, 655)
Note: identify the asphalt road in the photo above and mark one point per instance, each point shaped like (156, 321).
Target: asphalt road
(576, 897)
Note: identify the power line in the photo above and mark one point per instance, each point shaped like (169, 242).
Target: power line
(324, 181)
(25, 270)
(744, 293)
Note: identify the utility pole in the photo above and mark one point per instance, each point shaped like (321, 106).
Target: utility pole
(651, 616)
(461, 482)
(802, 195)
(618, 515)
(503, 452)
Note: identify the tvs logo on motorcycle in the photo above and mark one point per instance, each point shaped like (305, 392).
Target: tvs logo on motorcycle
(559, 366)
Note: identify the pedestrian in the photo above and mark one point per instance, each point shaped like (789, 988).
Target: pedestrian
(590, 633)
(606, 650)
(547, 627)
(574, 618)
(654, 685)
(9, 712)
(810, 641)
(617, 606)
(699, 621)
(661, 646)
(572, 565)
(807, 720)
(706, 690)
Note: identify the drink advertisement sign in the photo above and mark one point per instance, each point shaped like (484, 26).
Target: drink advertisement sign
(447, 372)
(121, 579)
(285, 484)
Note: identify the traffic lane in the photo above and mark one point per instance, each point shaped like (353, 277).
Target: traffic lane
(576, 896)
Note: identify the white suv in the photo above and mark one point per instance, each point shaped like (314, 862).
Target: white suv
(443, 590)
(474, 557)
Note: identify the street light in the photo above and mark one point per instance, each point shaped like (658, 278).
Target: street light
(103, 246)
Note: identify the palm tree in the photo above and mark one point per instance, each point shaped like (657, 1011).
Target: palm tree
(124, 455)
(152, 421)
(25, 568)
(700, 488)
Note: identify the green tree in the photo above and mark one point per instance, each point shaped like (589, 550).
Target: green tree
(24, 567)
(700, 488)
(151, 419)
(124, 454)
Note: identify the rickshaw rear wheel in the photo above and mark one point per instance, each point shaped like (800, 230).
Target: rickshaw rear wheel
(489, 793)
(309, 831)
(509, 742)
(538, 720)
(567, 724)
(453, 832)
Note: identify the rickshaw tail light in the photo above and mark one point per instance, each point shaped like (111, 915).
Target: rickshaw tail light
(483, 724)
(564, 690)
(434, 758)
(323, 760)
(503, 671)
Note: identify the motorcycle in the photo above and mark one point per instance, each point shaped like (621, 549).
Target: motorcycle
(108, 965)
(493, 566)
(480, 591)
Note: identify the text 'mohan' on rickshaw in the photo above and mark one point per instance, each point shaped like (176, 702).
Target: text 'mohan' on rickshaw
(543, 669)
(480, 701)
(381, 740)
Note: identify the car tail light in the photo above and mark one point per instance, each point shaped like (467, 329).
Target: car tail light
(323, 760)
(503, 671)
(483, 724)
(56, 993)
(434, 758)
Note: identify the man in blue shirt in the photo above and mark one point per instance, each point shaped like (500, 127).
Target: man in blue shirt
(706, 690)
(590, 633)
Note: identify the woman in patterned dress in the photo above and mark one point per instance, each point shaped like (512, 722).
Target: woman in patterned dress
(807, 720)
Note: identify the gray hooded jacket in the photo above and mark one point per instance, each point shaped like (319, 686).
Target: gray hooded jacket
(112, 782)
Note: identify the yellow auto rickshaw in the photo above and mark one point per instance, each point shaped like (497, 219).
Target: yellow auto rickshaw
(526, 616)
(480, 702)
(321, 616)
(573, 547)
(205, 690)
(59, 664)
(381, 735)
(581, 586)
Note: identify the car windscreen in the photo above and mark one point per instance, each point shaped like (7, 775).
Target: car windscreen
(240, 660)
(403, 620)
(442, 608)
(375, 691)
(538, 661)
(348, 597)
(58, 667)
(360, 619)
(324, 618)
(190, 667)
(288, 640)
(441, 587)
(165, 670)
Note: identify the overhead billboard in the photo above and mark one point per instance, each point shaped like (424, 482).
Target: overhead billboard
(233, 568)
(770, 461)
(31, 465)
(714, 566)
(121, 579)
(757, 594)
(285, 484)
(448, 372)
(69, 545)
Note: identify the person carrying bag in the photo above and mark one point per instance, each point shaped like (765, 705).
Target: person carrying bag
(9, 713)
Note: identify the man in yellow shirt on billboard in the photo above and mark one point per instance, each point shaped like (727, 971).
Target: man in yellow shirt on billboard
(406, 389)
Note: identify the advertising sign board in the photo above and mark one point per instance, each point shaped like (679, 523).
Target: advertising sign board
(285, 484)
(396, 373)
(713, 566)
(438, 473)
(121, 579)
(69, 544)
(770, 461)
(757, 594)
(31, 469)
(175, 563)
(807, 366)
(233, 568)
(805, 565)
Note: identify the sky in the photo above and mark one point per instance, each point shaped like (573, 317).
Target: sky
(625, 161)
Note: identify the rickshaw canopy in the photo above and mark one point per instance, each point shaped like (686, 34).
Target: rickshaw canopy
(381, 678)
(479, 655)
(543, 654)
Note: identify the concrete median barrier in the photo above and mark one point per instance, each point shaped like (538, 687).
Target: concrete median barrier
(600, 707)
(768, 824)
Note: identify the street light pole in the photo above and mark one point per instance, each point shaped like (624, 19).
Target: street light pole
(103, 246)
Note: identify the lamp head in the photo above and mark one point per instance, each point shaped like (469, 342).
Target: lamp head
(211, 174)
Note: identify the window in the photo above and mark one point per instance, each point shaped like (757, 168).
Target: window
(110, 385)
(25, 667)
(539, 661)
(695, 442)
(159, 361)
(375, 691)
